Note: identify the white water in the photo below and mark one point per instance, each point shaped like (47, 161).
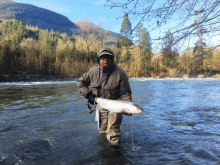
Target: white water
(37, 83)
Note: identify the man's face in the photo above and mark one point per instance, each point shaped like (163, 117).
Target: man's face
(105, 60)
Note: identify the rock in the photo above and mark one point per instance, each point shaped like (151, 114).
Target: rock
(200, 76)
(217, 76)
(185, 76)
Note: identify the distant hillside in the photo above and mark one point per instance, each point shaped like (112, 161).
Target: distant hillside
(44, 19)
(112, 36)
(36, 16)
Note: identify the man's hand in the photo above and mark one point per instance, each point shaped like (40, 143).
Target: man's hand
(126, 113)
(91, 98)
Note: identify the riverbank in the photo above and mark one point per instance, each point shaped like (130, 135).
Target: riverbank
(185, 76)
(35, 78)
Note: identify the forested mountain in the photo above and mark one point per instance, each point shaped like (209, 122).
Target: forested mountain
(44, 19)
(36, 16)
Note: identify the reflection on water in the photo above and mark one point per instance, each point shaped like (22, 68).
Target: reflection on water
(49, 123)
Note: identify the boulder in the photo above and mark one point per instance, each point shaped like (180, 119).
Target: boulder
(217, 76)
(200, 76)
(186, 76)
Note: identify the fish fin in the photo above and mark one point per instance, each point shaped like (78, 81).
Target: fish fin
(127, 110)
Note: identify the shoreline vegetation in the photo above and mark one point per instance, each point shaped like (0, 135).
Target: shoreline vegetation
(30, 54)
(36, 78)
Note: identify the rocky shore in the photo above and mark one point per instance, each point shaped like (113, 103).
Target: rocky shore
(32, 78)
(201, 76)
(35, 78)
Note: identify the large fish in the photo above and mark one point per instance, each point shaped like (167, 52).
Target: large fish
(118, 106)
(115, 106)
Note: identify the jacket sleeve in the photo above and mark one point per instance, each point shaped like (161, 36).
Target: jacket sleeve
(124, 89)
(83, 84)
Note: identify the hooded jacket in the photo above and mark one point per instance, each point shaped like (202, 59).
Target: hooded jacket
(113, 84)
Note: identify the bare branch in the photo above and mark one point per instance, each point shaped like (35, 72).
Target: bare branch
(158, 13)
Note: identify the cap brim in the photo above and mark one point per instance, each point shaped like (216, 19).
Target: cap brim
(105, 53)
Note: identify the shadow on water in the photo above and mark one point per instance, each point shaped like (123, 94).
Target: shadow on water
(94, 150)
(105, 154)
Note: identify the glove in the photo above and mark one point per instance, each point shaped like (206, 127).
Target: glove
(91, 98)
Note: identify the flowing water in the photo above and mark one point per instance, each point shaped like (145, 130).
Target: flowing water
(48, 123)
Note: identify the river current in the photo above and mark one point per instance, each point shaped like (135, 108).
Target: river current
(48, 123)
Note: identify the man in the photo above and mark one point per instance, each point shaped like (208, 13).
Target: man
(106, 80)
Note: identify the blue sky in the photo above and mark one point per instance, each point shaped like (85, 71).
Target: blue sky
(76, 9)
(95, 11)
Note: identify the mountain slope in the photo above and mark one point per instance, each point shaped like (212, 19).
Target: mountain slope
(111, 36)
(45, 19)
(36, 16)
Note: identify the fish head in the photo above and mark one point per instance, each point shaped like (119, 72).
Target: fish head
(138, 109)
(133, 108)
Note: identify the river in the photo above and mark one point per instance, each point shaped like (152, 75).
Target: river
(48, 123)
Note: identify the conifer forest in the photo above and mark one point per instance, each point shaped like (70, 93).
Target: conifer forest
(29, 50)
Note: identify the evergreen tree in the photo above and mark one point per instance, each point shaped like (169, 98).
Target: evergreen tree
(126, 29)
(126, 32)
(122, 41)
(118, 42)
(169, 56)
(143, 41)
(138, 33)
(146, 51)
